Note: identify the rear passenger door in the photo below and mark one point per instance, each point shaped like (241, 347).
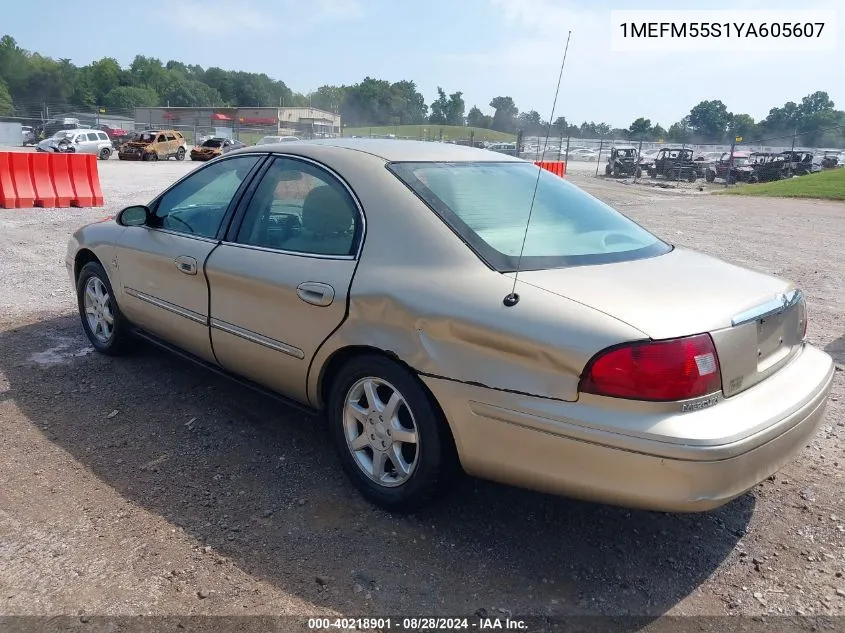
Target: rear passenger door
(279, 282)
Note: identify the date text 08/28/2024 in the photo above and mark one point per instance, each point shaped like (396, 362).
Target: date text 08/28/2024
(416, 624)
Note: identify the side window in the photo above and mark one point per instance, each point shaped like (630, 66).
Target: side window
(102, 136)
(92, 136)
(80, 138)
(301, 208)
(160, 138)
(171, 137)
(197, 205)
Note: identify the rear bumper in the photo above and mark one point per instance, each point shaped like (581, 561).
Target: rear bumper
(542, 445)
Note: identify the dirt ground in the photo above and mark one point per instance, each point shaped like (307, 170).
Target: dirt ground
(144, 485)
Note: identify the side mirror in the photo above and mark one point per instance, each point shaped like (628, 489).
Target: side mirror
(136, 215)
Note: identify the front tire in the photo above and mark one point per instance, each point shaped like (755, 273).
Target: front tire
(389, 435)
(103, 322)
(180, 154)
(105, 153)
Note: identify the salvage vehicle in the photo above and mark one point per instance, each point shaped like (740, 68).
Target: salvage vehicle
(674, 164)
(622, 161)
(731, 168)
(82, 141)
(154, 145)
(800, 163)
(28, 136)
(830, 160)
(767, 167)
(214, 147)
(527, 339)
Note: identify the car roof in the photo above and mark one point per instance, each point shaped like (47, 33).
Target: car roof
(393, 150)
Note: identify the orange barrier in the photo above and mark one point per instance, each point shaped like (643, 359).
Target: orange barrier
(49, 180)
(60, 175)
(8, 197)
(557, 167)
(39, 171)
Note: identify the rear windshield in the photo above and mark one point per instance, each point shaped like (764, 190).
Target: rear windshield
(488, 204)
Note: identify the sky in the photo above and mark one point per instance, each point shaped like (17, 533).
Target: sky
(484, 48)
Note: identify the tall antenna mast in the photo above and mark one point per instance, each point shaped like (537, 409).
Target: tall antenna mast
(512, 299)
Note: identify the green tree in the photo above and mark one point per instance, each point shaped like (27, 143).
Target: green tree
(191, 93)
(455, 109)
(743, 125)
(641, 128)
(710, 120)
(504, 117)
(439, 108)
(328, 98)
(476, 118)
(130, 97)
(7, 108)
(104, 77)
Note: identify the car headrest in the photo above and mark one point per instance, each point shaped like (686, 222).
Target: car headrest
(326, 211)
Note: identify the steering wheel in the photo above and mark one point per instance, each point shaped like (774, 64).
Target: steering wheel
(170, 216)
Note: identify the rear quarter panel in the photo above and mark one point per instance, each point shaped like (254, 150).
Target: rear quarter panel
(422, 295)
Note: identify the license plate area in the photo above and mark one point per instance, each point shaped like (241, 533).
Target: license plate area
(775, 338)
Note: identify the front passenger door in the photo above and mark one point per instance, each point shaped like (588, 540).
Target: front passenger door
(164, 289)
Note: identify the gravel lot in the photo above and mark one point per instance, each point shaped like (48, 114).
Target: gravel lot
(145, 485)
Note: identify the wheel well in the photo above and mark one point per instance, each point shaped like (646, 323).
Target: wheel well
(346, 354)
(83, 257)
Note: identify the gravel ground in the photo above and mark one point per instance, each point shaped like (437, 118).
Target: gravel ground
(145, 485)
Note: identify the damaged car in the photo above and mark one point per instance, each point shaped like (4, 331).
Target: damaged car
(214, 147)
(535, 336)
(154, 145)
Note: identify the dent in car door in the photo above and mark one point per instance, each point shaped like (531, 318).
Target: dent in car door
(164, 289)
(279, 287)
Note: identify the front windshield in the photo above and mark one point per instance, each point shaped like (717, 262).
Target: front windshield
(213, 142)
(62, 134)
(487, 204)
(146, 137)
(267, 140)
(740, 160)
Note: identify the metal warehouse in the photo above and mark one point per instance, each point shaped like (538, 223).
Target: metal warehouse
(302, 121)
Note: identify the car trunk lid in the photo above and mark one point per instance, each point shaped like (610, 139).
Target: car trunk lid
(756, 321)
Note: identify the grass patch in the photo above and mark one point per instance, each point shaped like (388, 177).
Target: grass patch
(826, 185)
(450, 132)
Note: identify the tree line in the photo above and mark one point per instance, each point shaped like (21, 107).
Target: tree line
(28, 80)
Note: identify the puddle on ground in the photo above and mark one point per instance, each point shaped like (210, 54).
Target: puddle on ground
(65, 350)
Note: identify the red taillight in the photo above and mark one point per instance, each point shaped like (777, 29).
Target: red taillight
(676, 369)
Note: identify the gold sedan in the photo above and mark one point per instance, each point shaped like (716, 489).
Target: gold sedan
(452, 308)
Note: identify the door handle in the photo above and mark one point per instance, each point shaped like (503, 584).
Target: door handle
(315, 293)
(187, 265)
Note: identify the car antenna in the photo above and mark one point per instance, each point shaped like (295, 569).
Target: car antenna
(512, 298)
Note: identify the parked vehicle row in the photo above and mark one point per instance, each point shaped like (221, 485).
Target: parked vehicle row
(675, 163)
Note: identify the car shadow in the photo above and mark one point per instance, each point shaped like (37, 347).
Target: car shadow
(836, 349)
(260, 484)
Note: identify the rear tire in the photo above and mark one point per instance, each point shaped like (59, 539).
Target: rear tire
(103, 322)
(411, 473)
